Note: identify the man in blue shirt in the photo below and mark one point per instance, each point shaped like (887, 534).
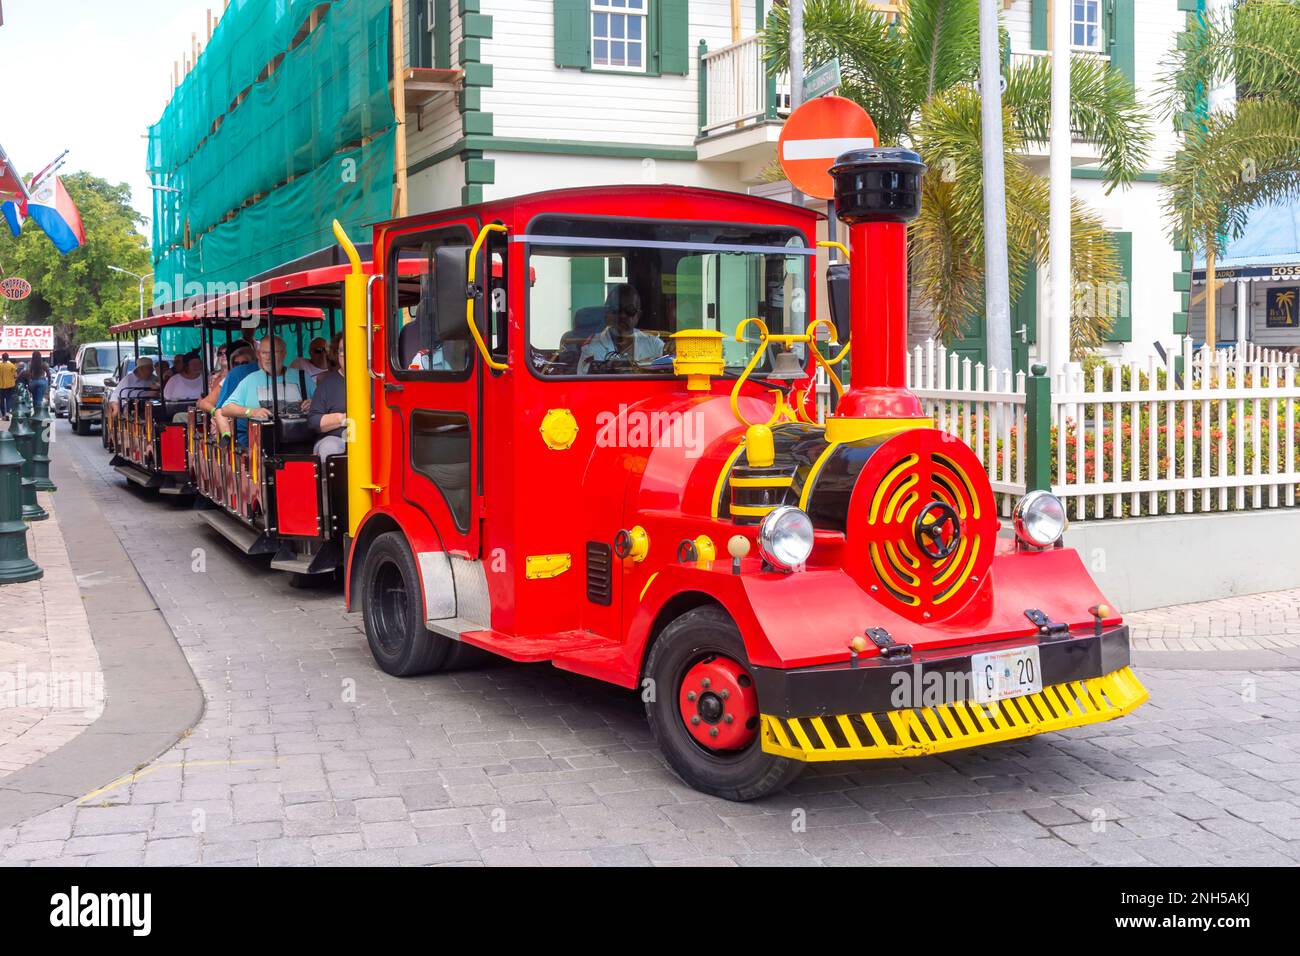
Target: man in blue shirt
(252, 397)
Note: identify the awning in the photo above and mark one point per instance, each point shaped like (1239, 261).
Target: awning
(1268, 250)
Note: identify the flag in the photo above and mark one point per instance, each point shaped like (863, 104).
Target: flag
(53, 210)
(14, 212)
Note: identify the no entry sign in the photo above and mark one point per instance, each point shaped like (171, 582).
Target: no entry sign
(815, 135)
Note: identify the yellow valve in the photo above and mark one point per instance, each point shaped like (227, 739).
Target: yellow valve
(759, 449)
(698, 356)
(705, 551)
(632, 545)
(469, 299)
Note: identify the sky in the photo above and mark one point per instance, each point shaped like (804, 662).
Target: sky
(90, 76)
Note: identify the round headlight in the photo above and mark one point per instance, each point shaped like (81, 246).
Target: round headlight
(1039, 519)
(785, 539)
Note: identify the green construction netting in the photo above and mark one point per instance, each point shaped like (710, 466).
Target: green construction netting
(261, 167)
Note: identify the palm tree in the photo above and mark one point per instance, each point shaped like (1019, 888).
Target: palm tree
(918, 78)
(1234, 160)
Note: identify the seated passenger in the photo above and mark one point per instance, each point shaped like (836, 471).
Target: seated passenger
(328, 413)
(621, 339)
(317, 361)
(252, 398)
(187, 384)
(432, 359)
(140, 382)
(243, 362)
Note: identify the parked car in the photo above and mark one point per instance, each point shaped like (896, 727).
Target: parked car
(94, 366)
(61, 393)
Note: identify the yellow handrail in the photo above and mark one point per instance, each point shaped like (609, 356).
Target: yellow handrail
(810, 336)
(781, 409)
(469, 299)
(832, 244)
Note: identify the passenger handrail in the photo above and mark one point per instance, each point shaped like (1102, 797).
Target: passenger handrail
(469, 298)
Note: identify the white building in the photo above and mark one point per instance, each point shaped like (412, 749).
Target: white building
(512, 96)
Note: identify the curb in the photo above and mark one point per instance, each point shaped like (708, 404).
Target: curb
(151, 696)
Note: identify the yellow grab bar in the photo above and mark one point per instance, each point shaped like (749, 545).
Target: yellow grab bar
(832, 244)
(469, 299)
(810, 336)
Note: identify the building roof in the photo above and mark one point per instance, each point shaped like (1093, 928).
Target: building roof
(1271, 238)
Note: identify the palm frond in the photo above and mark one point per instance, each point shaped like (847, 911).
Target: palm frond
(1257, 45)
(1230, 164)
(869, 49)
(1103, 110)
(941, 44)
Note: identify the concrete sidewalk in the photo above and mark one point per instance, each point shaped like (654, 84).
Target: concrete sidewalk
(90, 614)
(1252, 622)
(51, 685)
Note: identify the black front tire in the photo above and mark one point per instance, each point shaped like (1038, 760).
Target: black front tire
(393, 611)
(748, 774)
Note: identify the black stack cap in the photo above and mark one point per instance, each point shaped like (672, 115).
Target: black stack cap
(882, 184)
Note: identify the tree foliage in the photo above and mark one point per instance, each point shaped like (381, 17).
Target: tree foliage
(919, 79)
(1235, 160)
(78, 294)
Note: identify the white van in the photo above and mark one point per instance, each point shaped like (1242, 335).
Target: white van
(94, 366)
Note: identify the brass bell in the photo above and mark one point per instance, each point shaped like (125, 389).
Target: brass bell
(787, 367)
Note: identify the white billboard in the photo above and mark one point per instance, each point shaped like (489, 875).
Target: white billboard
(18, 339)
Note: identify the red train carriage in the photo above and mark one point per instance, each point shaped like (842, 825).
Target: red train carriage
(580, 443)
(145, 433)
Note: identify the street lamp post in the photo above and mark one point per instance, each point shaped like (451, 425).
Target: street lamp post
(141, 278)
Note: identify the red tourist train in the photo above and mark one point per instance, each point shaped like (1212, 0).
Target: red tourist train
(580, 432)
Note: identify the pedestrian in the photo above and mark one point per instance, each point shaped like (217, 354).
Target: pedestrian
(38, 379)
(8, 382)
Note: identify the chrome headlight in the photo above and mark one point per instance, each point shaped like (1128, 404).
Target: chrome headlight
(1039, 519)
(785, 538)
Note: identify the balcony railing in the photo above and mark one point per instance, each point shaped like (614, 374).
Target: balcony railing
(736, 89)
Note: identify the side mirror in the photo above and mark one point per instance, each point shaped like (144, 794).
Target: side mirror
(110, 382)
(451, 283)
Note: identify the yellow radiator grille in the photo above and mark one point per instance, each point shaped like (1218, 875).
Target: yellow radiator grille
(929, 730)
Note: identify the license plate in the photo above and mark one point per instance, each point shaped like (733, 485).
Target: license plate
(1002, 674)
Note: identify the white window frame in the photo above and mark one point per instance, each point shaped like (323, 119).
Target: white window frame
(1098, 6)
(627, 12)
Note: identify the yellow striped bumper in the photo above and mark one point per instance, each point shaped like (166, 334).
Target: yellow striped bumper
(930, 730)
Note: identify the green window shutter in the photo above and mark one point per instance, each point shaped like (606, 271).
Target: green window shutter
(1119, 37)
(1038, 25)
(674, 36)
(572, 33)
(1121, 300)
(442, 34)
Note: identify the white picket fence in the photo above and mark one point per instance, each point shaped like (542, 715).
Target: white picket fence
(985, 408)
(1133, 439)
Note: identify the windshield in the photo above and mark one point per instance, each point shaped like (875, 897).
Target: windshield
(98, 360)
(102, 359)
(606, 296)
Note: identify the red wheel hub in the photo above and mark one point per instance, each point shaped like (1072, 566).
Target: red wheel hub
(719, 704)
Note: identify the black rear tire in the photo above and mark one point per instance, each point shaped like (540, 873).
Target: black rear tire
(747, 774)
(79, 424)
(392, 607)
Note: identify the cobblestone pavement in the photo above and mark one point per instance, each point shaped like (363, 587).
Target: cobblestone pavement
(308, 754)
(50, 685)
(1251, 622)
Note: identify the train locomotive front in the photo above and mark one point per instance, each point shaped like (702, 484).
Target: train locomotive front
(853, 595)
